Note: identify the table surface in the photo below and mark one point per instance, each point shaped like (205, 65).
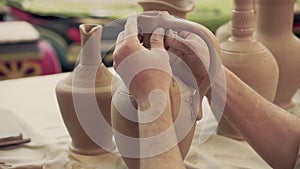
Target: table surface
(32, 103)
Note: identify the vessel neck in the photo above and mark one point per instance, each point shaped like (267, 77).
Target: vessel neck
(243, 20)
(90, 44)
(275, 17)
(242, 33)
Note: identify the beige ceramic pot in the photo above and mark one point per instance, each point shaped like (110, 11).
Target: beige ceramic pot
(89, 79)
(248, 59)
(224, 32)
(124, 113)
(125, 117)
(274, 30)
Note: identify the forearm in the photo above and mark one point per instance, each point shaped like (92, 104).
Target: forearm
(270, 130)
(171, 158)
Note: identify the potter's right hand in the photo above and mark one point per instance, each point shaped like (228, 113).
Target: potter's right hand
(193, 52)
(142, 70)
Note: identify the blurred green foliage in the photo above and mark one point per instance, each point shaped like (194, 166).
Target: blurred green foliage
(210, 13)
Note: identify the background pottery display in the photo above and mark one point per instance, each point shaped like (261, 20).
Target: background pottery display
(224, 32)
(248, 59)
(89, 79)
(274, 30)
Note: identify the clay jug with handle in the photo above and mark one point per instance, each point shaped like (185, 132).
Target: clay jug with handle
(183, 95)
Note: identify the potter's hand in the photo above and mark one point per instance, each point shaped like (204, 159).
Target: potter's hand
(188, 48)
(141, 69)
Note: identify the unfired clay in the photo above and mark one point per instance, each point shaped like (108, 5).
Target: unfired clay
(130, 128)
(67, 88)
(147, 23)
(274, 30)
(224, 31)
(177, 8)
(248, 59)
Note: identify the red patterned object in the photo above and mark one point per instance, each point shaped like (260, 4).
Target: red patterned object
(23, 53)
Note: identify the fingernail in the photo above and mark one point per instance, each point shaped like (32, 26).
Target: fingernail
(164, 14)
(159, 31)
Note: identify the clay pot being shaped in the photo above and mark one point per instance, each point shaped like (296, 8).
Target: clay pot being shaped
(124, 108)
(89, 80)
(125, 120)
(274, 30)
(177, 8)
(248, 59)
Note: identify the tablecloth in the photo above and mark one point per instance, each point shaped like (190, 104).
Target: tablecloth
(32, 103)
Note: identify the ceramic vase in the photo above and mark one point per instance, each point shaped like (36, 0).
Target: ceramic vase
(274, 30)
(90, 79)
(224, 31)
(246, 57)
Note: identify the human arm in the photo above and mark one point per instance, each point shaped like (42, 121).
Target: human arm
(272, 132)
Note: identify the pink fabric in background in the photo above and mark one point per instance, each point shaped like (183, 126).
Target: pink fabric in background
(49, 62)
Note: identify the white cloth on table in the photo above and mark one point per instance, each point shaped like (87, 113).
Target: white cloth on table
(32, 102)
(49, 150)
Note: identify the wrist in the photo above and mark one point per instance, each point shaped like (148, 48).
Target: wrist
(154, 93)
(144, 84)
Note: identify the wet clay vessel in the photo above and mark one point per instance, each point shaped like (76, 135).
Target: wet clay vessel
(274, 30)
(89, 78)
(124, 113)
(252, 62)
(125, 117)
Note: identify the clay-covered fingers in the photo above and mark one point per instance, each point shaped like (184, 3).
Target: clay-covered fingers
(157, 46)
(188, 45)
(189, 49)
(153, 39)
(157, 38)
(190, 60)
(131, 58)
(127, 41)
(176, 43)
(130, 31)
(131, 28)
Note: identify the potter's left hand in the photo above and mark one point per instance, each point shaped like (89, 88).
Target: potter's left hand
(141, 69)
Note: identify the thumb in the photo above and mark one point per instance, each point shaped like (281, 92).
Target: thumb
(174, 41)
(157, 38)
